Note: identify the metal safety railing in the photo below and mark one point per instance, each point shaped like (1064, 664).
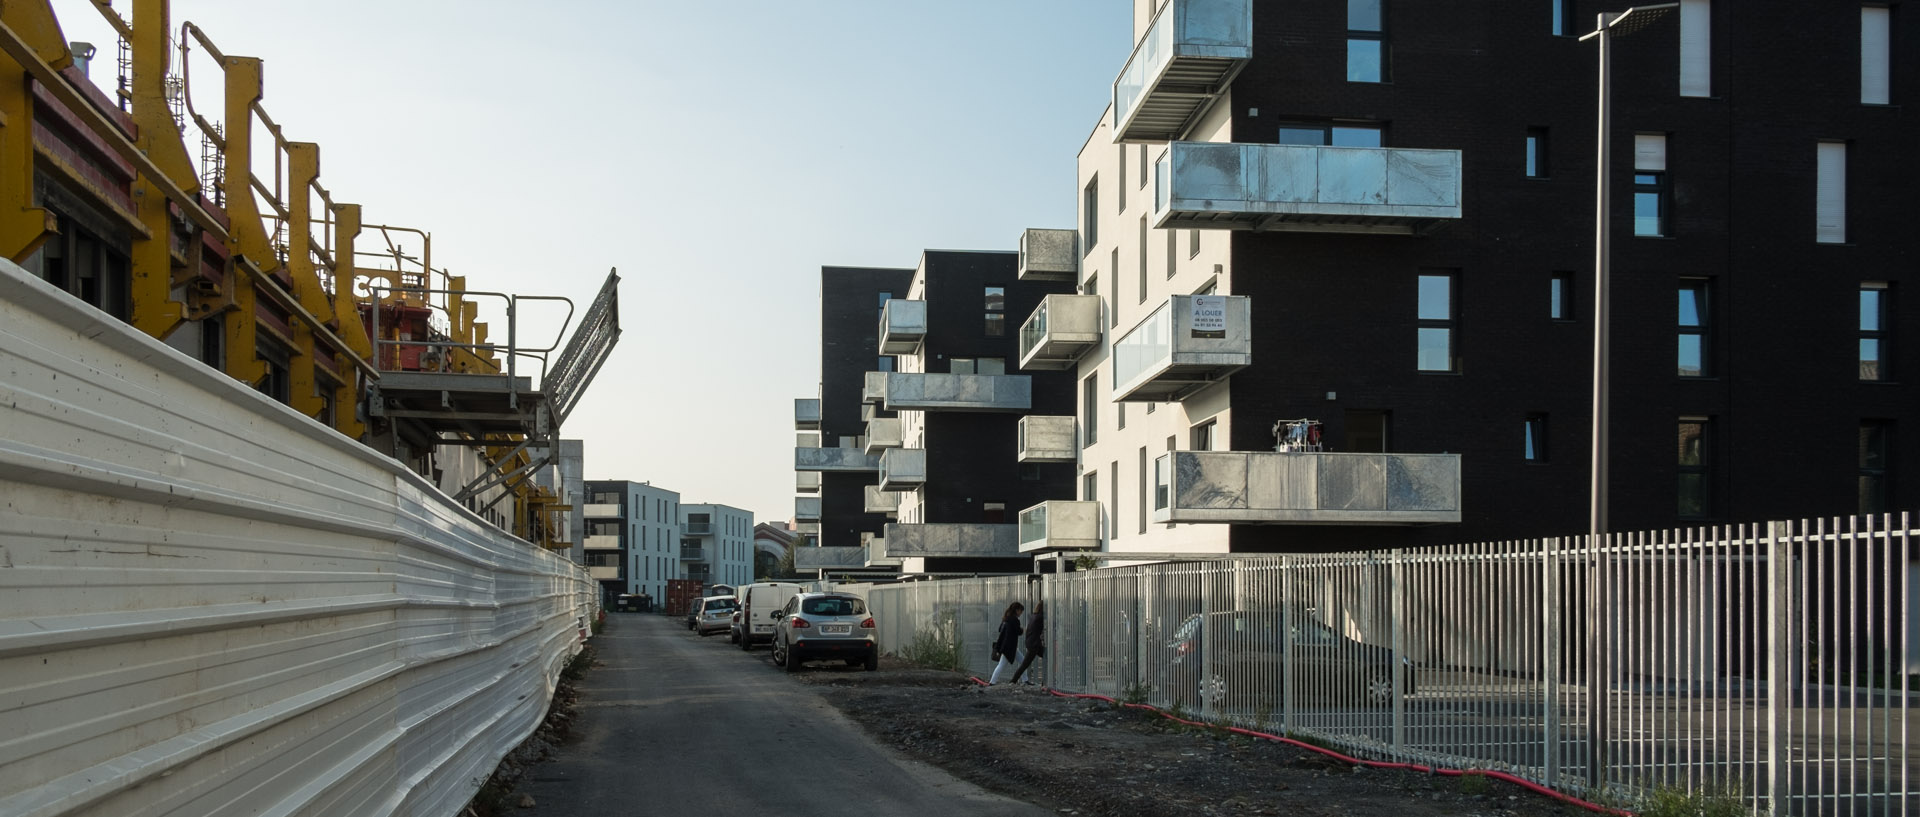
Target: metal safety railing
(1776, 662)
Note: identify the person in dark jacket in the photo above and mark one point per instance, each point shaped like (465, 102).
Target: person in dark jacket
(1006, 645)
(1036, 640)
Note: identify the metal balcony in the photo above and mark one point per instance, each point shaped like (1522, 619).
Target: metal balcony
(806, 509)
(1304, 188)
(914, 391)
(697, 528)
(1060, 525)
(1315, 488)
(882, 433)
(811, 528)
(874, 390)
(604, 573)
(688, 554)
(903, 469)
(806, 482)
(1192, 51)
(834, 459)
(602, 542)
(1060, 330)
(902, 325)
(876, 547)
(878, 501)
(952, 540)
(1050, 255)
(1045, 439)
(829, 558)
(1190, 342)
(806, 413)
(601, 511)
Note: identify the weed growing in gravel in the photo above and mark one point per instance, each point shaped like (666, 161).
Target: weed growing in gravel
(1135, 694)
(931, 648)
(1473, 784)
(1711, 801)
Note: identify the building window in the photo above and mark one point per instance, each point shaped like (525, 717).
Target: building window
(996, 325)
(1693, 467)
(1202, 436)
(1693, 329)
(1435, 326)
(1113, 500)
(960, 365)
(1328, 135)
(1120, 190)
(1696, 48)
(1366, 41)
(1090, 486)
(1120, 416)
(1142, 526)
(1113, 301)
(1830, 193)
(1876, 86)
(1366, 431)
(1873, 331)
(1536, 153)
(1143, 260)
(1650, 184)
(1193, 243)
(993, 513)
(1562, 307)
(1536, 445)
(1562, 17)
(884, 298)
(1875, 447)
(80, 262)
(1143, 166)
(990, 365)
(1090, 410)
(885, 364)
(1173, 251)
(1090, 216)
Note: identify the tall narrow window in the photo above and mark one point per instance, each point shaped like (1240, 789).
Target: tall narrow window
(1562, 297)
(1113, 310)
(1120, 416)
(1873, 331)
(1693, 467)
(1113, 500)
(1143, 166)
(1193, 243)
(1536, 443)
(1144, 471)
(1173, 251)
(1875, 436)
(1090, 215)
(996, 315)
(1435, 327)
(1876, 86)
(1830, 193)
(1650, 184)
(1561, 17)
(1536, 153)
(1143, 260)
(1693, 347)
(1202, 436)
(1090, 410)
(884, 298)
(1090, 486)
(1120, 190)
(1696, 48)
(1366, 41)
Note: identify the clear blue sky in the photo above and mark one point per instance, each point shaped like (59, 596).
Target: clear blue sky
(718, 154)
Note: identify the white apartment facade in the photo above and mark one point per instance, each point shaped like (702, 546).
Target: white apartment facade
(716, 543)
(633, 537)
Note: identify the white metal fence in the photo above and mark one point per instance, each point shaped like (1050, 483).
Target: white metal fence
(211, 605)
(1776, 662)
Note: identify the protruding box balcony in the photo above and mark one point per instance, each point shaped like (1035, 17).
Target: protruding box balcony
(903, 469)
(806, 482)
(915, 391)
(603, 573)
(1060, 330)
(1192, 51)
(882, 433)
(874, 390)
(878, 501)
(1060, 525)
(830, 558)
(1045, 439)
(602, 542)
(697, 528)
(1313, 488)
(877, 555)
(1305, 188)
(806, 413)
(952, 540)
(693, 554)
(806, 509)
(809, 528)
(903, 324)
(1177, 350)
(1049, 255)
(834, 459)
(606, 510)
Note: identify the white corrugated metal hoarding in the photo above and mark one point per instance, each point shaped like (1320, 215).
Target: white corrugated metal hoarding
(211, 605)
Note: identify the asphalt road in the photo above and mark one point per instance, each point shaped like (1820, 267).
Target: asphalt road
(673, 724)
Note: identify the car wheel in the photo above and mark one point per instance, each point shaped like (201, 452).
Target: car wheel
(733, 637)
(1213, 690)
(793, 661)
(1378, 688)
(873, 661)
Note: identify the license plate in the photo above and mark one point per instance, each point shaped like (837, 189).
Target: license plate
(836, 629)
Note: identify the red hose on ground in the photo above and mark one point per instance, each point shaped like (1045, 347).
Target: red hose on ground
(1377, 764)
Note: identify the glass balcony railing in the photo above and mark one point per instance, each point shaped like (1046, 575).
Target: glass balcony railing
(1305, 188)
(1191, 52)
(1306, 487)
(688, 554)
(1061, 330)
(1189, 343)
(697, 528)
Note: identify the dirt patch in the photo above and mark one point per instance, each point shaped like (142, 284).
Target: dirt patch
(1087, 757)
(495, 797)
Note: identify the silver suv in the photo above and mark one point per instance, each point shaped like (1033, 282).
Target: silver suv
(716, 614)
(817, 626)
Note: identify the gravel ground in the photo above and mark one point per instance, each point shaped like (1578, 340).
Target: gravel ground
(1088, 757)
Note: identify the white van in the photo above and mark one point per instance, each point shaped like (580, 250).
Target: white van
(760, 605)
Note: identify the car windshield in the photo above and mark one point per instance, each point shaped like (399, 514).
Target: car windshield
(720, 604)
(833, 606)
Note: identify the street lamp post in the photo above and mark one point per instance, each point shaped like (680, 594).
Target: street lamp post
(1607, 26)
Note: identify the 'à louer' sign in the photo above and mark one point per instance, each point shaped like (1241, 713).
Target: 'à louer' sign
(1209, 313)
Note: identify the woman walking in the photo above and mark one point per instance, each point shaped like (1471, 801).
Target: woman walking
(1007, 644)
(1036, 640)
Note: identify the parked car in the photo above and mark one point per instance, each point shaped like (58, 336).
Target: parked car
(1239, 659)
(716, 612)
(816, 626)
(760, 605)
(693, 613)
